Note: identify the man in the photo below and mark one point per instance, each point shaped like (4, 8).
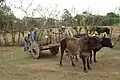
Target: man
(33, 37)
(63, 32)
(27, 42)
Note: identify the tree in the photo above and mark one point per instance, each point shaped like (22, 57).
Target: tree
(112, 18)
(51, 22)
(1, 2)
(7, 19)
(78, 19)
(67, 18)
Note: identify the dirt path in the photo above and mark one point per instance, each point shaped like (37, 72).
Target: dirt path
(46, 68)
(108, 66)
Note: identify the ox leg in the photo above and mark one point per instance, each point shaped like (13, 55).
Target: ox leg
(93, 32)
(98, 33)
(88, 65)
(95, 57)
(84, 64)
(61, 59)
(91, 58)
(90, 32)
(62, 52)
(73, 64)
(76, 58)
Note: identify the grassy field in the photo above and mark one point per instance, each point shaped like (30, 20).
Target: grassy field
(15, 64)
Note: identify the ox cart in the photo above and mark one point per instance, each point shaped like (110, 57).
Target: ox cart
(46, 40)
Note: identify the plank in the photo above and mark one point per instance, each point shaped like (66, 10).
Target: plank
(49, 46)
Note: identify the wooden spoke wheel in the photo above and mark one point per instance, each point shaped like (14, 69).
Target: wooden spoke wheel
(36, 50)
(54, 50)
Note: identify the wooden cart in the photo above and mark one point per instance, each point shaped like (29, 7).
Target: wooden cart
(51, 43)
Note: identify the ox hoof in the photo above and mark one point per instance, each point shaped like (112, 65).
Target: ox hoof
(85, 71)
(74, 65)
(59, 64)
(89, 68)
(90, 62)
(29, 51)
(76, 60)
(95, 61)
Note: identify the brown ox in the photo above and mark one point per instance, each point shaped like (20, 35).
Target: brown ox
(104, 41)
(78, 46)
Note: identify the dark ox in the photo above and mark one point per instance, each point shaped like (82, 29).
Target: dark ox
(79, 46)
(101, 29)
(104, 41)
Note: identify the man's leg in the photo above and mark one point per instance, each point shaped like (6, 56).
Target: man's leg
(29, 47)
(25, 46)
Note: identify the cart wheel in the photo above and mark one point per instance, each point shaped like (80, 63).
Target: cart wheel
(36, 50)
(54, 50)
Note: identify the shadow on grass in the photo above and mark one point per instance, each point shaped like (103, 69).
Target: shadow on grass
(44, 55)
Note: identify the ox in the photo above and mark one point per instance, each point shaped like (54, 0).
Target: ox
(104, 41)
(79, 46)
(99, 30)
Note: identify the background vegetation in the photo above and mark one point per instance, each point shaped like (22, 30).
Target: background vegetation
(10, 25)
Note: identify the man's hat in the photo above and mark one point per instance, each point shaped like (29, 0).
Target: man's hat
(63, 27)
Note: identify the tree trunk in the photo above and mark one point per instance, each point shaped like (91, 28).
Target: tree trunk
(86, 30)
(19, 36)
(80, 29)
(0, 40)
(5, 39)
(13, 38)
(22, 32)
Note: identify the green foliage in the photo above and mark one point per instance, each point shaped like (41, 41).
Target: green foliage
(38, 21)
(67, 18)
(97, 20)
(6, 17)
(112, 18)
(84, 19)
(78, 19)
(1, 2)
(51, 22)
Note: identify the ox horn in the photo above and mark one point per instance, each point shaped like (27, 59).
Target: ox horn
(93, 35)
(113, 44)
(104, 35)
